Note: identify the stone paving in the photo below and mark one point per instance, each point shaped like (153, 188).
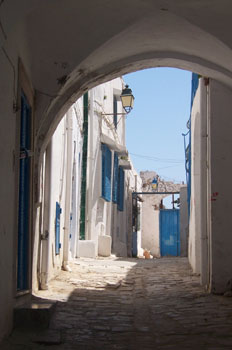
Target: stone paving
(119, 303)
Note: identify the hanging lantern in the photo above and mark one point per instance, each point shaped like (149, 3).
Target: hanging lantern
(127, 99)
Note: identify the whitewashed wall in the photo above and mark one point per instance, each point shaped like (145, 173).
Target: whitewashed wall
(63, 185)
(122, 221)
(195, 203)
(220, 189)
(150, 226)
(210, 222)
(198, 244)
(69, 127)
(103, 217)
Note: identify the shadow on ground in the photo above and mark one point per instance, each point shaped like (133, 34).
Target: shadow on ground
(131, 304)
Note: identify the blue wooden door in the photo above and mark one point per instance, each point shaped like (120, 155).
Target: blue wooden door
(170, 232)
(24, 196)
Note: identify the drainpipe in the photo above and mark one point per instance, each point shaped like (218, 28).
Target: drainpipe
(84, 166)
(203, 179)
(209, 218)
(90, 159)
(45, 237)
(68, 191)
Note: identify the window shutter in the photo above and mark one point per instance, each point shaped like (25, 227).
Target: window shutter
(115, 179)
(57, 228)
(121, 177)
(106, 173)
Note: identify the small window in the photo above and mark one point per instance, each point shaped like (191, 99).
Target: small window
(106, 172)
(121, 177)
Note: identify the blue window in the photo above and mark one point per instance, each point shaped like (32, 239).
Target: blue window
(115, 179)
(121, 177)
(106, 173)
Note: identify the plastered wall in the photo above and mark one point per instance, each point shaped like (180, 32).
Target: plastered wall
(220, 98)
(150, 228)
(195, 203)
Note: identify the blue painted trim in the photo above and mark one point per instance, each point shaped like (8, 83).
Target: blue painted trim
(115, 179)
(106, 172)
(188, 148)
(57, 229)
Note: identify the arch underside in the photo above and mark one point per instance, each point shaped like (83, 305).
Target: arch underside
(70, 49)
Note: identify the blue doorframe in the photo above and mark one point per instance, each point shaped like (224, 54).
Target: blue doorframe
(24, 196)
(170, 232)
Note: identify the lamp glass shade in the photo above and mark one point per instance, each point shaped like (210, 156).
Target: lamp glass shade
(127, 99)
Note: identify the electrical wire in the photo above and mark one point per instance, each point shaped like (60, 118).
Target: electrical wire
(170, 166)
(14, 73)
(153, 158)
(1, 25)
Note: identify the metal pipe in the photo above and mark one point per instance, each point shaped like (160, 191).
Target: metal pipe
(45, 237)
(136, 193)
(68, 192)
(90, 169)
(84, 166)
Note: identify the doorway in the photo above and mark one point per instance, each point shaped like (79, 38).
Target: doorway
(170, 232)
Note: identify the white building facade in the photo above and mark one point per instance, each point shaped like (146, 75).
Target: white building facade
(87, 182)
(211, 205)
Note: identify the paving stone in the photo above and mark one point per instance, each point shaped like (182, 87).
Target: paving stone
(109, 303)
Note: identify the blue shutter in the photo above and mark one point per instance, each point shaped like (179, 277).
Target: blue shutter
(115, 179)
(121, 178)
(195, 83)
(57, 228)
(106, 173)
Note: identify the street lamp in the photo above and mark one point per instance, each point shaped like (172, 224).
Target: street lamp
(127, 99)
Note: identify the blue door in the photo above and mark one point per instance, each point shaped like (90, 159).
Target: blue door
(170, 232)
(24, 196)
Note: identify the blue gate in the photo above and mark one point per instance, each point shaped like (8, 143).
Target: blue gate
(170, 232)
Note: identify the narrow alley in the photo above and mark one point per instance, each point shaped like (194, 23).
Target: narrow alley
(124, 303)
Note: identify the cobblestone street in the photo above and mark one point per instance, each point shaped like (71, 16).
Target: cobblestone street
(130, 304)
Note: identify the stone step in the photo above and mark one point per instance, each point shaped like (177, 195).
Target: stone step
(34, 315)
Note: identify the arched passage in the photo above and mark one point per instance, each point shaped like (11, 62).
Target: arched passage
(67, 49)
(156, 36)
